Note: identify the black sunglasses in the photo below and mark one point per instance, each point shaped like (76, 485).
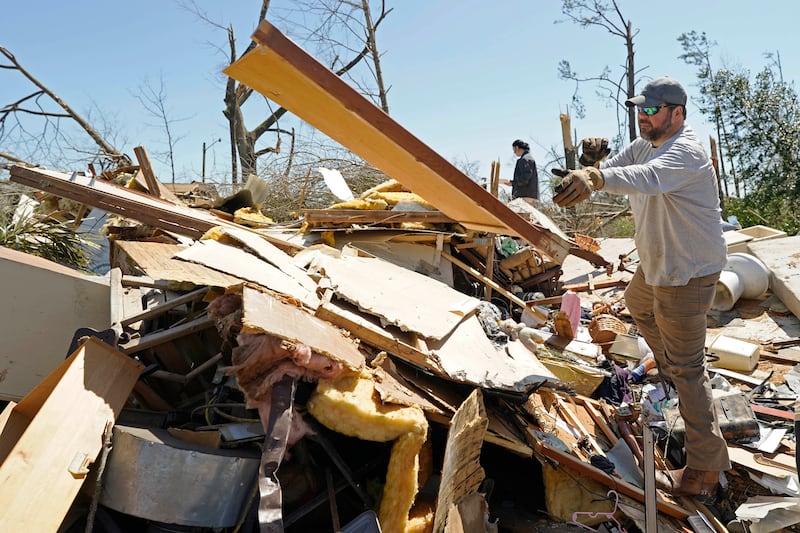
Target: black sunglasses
(650, 111)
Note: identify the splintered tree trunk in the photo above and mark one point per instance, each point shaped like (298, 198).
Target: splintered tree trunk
(570, 152)
(631, 78)
(721, 183)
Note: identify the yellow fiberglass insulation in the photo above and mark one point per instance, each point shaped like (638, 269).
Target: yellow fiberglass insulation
(391, 185)
(217, 233)
(350, 405)
(394, 198)
(371, 204)
(251, 216)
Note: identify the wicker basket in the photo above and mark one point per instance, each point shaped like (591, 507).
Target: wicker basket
(604, 329)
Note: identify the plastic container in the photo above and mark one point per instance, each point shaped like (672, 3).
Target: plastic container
(647, 363)
(733, 354)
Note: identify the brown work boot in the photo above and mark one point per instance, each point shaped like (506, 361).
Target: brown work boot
(664, 481)
(690, 482)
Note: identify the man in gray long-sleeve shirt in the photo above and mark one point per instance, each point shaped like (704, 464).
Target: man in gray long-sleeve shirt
(674, 199)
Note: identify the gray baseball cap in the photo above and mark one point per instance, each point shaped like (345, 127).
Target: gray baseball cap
(659, 91)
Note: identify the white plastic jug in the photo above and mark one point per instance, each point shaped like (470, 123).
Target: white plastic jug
(733, 354)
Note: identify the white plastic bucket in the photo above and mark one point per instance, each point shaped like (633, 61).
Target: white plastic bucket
(733, 354)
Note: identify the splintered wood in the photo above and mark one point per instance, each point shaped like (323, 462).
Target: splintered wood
(462, 473)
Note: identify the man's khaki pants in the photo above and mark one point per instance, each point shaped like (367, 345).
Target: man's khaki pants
(673, 322)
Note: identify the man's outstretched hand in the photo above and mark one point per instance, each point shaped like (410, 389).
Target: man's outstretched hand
(593, 150)
(576, 185)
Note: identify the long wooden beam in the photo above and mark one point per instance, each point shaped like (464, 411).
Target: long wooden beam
(286, 74)
(129, 203)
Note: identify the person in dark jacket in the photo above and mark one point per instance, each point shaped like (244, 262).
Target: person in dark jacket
(526, 180)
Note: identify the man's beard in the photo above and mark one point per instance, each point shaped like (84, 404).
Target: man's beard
(656, 133)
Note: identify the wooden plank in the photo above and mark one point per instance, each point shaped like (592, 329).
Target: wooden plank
(751, 380)
(166, 306)
(114, 198)
(160, 337)
(153, 186)
(771, 411)
(462, 473)
(490, 251)
(116, 300)
(598, 417)
(6, 415)
(165, 192)
(373, 216)
(592, 472)
(790, 356)
(157, 260)
(574, 420)
(594, 285)
(480, 277)
(56, 428)
(286, 74)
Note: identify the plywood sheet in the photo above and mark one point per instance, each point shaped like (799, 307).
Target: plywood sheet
(58, 425)
(286, 74)
(263, 313)
(158, 261)
(782, 257)
(401, 297)
(243, 265)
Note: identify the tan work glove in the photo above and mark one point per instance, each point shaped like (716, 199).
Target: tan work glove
(593, 150)
(577, 185)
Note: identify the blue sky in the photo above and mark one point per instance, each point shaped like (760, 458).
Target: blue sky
(466, 77)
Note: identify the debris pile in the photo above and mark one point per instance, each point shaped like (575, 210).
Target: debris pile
(463, 367)
(345, 369)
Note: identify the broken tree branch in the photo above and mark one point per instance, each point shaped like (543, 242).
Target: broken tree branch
(107, 149)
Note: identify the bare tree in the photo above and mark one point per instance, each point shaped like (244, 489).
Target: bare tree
(588, 13)
(39, 104)
(154, 101)
(339, 25)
